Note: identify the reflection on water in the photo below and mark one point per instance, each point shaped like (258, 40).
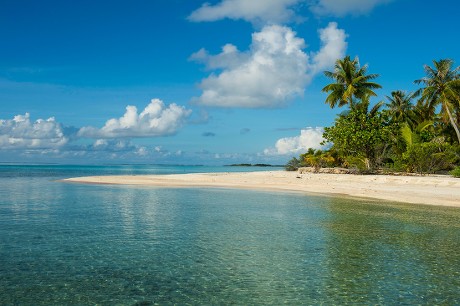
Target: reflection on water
(81, 244)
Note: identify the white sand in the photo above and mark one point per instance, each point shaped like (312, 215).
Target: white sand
(432, 190)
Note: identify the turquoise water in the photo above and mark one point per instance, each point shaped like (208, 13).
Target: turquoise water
(64, 243)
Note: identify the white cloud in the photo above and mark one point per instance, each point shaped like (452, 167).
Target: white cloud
(333, 47)
(22, 139)
(271, 73)
(113, 145)
(258, 12)
(230, 57)
(22, 133)
(341, 8)
(142, 151)
(117, 146)
(308, 138)
(156, 119)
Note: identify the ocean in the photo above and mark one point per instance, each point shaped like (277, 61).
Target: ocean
(80, 244)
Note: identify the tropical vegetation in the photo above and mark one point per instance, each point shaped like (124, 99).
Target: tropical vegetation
(455, 172)
(415, 132)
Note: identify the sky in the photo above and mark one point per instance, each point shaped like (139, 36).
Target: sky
(195, 82)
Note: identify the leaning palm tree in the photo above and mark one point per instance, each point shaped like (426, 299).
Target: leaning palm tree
(442, 87)
(400, 106)
(350, 81)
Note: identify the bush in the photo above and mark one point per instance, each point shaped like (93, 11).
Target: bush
(319, 161)
(360, 136)
(314, 158)
(355, 162)
(292, 165)
(455, 172)
(428, 157)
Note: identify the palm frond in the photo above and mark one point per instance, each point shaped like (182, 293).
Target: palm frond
(329, 74)
(351, 81)
(376, 108)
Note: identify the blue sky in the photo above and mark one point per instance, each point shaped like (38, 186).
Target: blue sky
(182, 81)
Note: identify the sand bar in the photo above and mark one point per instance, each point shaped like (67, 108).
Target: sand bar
(432, 190)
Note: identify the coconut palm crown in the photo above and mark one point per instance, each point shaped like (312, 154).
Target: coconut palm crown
(351, 81)
(400, 106)
(442, 87)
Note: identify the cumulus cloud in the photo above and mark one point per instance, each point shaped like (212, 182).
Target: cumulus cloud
(22, 133)
(47, 139)
(333, 47)
(275, 69)
(257, 12)
(230, 57)
(308, 138)
(160, 151)
(341, 8)
(156, 119)
(115, 145)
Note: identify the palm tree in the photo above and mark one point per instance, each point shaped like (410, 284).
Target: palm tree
(351, 82)
(442, 87)
(400, 106)
(424, 111)
(364, 106)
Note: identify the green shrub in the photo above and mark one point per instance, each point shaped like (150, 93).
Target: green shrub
(398, 165)
(292, 165)
(427, 157)
(319, 161)
(455, 172)
(356, 162)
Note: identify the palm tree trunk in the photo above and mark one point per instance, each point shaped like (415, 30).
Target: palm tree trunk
(452, 121)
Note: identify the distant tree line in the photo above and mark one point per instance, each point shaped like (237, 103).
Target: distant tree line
(408, 132)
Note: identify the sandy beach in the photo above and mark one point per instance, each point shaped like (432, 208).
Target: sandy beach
(431, 190)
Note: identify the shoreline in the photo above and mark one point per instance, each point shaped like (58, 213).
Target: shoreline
(428, 190)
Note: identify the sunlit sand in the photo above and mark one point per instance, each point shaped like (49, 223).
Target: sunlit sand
(432, 190)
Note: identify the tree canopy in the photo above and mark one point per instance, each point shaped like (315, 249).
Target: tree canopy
(410, 131)
(351, 83)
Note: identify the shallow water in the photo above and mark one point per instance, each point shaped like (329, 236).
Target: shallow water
(64, 243)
